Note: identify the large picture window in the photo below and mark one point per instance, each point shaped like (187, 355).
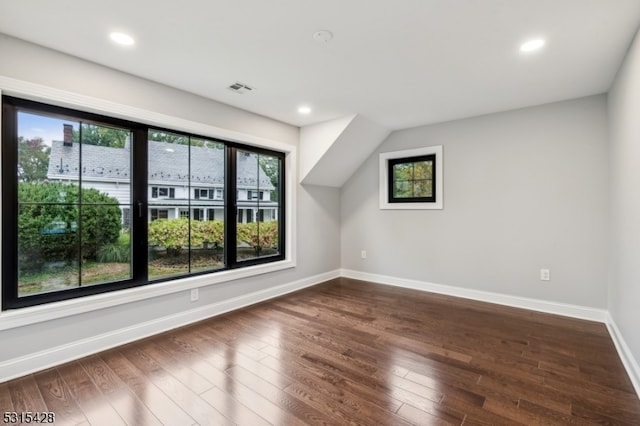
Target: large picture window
(94, 204)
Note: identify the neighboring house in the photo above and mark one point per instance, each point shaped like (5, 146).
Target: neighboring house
(174, 191)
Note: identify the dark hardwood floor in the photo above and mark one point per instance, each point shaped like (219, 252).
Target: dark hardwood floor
(347, 352)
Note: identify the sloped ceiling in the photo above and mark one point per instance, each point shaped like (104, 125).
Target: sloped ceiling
(331, 152)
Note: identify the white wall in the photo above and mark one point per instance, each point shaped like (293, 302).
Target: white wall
(317, 230)
(523, 190)
(624, 167)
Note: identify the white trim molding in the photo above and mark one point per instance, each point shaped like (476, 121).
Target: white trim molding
(626, 356)
(28, 364)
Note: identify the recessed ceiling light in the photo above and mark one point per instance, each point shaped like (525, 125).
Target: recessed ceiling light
(532, 45)
(122, 38)
(323, 36)
(304, 110)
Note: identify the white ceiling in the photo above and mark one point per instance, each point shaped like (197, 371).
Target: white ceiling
(398, 63)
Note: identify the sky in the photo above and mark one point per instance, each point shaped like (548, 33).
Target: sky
(41, 126)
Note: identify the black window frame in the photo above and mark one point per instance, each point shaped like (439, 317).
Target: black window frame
(170, 193)
(198, 213)
(201, 194)
(139, 203)
(155, 213)
(407, 160)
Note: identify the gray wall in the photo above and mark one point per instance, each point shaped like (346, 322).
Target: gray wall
(624, 125)
(523, 190)
(318, 226)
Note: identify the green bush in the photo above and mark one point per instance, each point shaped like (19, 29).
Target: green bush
(258, 235)
(171, 234)
(49, 223)
(209, 232)
(174, 234)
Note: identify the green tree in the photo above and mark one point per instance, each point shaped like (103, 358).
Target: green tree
(158, 136)
(52, 226)
(93, 134)
(33, 159)
(413, 179)
(271, 167)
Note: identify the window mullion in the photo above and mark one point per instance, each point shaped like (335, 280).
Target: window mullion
(10, 206)
(139, 207)
(79, 201)
(231, 207)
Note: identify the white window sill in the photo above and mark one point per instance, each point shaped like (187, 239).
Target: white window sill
(51, 311)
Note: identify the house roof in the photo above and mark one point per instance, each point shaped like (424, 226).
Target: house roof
(168, 164)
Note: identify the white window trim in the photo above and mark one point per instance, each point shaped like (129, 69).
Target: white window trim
(30, 315)
(384, 179)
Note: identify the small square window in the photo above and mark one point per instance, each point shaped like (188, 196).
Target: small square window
(411, 179)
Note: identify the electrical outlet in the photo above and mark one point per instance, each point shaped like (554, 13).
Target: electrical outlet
(545, 275)
(195, 294)
(363, 254)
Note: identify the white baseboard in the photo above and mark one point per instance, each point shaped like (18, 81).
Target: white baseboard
(627, 358)
(21, 366)
(574, 311)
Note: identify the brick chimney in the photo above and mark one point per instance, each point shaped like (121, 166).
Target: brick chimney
(68, 134)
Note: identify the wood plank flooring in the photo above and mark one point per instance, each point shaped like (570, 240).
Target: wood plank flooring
(347, 353)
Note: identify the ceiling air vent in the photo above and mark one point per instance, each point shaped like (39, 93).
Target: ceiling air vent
(240, 88)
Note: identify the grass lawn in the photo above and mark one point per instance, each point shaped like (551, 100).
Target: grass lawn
(61, 277)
